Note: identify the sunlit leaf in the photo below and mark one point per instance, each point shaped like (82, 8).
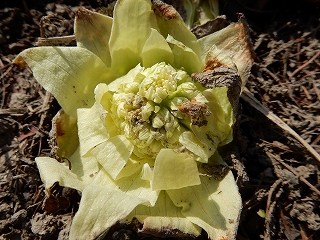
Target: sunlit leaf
(173, 170)
(155, 50)
(184, 57)
(131, 28)
(91, 131)
(100, 208)
(164, 218)
(69, 73)
(206, 206)
(113, 154)
(52, 171)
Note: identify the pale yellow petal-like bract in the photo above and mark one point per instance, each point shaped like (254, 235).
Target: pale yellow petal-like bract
(155, 50)
(131, 28)
(113, 154)
(92, 31)
(69, 73)
(91, 129)
(52, 171)
(100, 208)
(212, 205)
(174, 170)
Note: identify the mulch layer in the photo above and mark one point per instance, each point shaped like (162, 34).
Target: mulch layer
(278, 178)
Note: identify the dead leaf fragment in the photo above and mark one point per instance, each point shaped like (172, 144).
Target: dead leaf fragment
(164, 10)
(197, 112)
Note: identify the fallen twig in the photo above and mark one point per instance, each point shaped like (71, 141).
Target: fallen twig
(272, 189)
(291, 169)
(13, 111)
(304, 65)
(53, 41)
(271, 206)
(302, 179)
(249, 98)
(316, 89)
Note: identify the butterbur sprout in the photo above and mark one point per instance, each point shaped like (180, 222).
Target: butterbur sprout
(145, 106)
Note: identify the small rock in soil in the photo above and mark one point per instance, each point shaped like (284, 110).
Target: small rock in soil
(18, 217)
(305, 212)
(4, 225)
(44, 225)
(4, 210)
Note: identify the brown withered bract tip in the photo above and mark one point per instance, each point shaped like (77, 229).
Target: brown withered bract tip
(164, 10)
(197, 112)
(224, 238)
(59, 129)
(211, 64)
(19, 61)
(246, 35)
(82, 12)
(53, 204)
(165, 232)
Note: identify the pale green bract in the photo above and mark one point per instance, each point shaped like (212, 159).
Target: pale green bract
(136, 126)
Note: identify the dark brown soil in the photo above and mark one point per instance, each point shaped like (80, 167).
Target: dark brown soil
(275, 173)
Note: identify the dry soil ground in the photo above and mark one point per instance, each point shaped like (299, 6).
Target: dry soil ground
(276, 174)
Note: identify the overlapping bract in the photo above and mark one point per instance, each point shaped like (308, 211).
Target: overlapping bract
(104, 88)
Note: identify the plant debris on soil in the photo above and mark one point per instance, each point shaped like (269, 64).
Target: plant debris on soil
(278, 178)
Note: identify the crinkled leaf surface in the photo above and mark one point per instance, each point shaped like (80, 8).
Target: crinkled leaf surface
(231, 41)
(222, 110)
(220, 106)
(218, 131)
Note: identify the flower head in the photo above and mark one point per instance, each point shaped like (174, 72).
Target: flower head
(146, 110)
(136, 126)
